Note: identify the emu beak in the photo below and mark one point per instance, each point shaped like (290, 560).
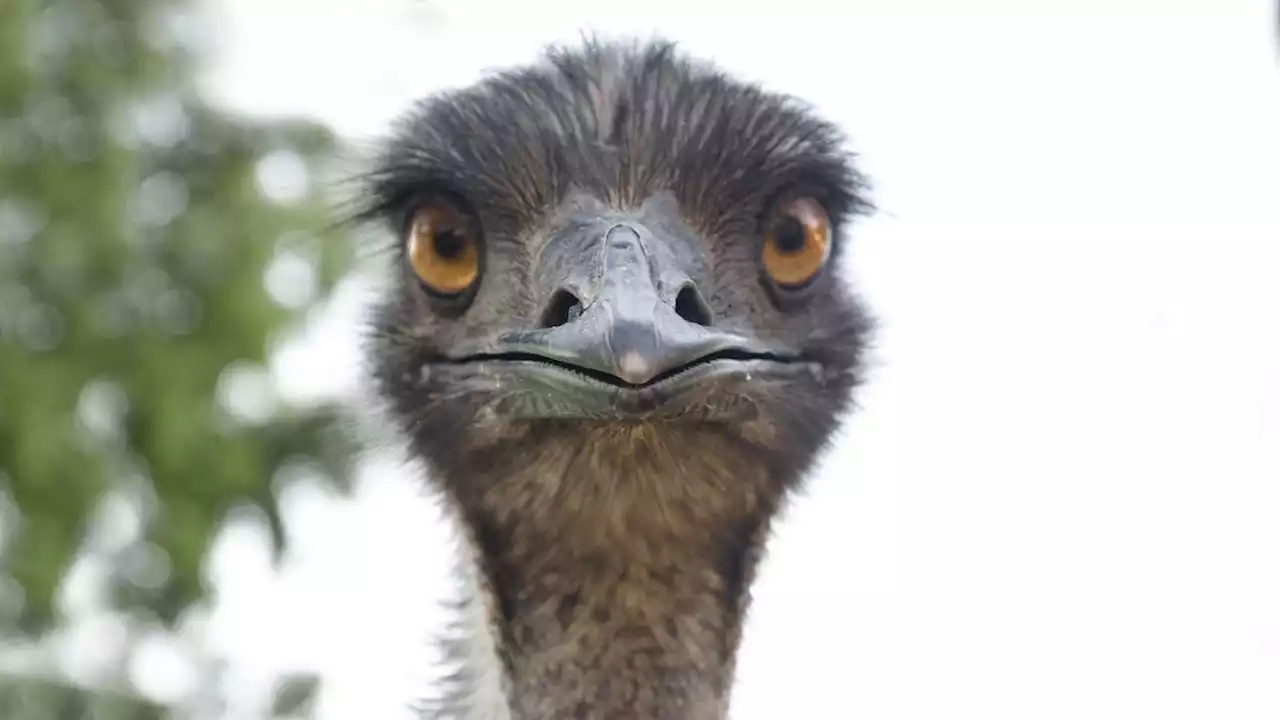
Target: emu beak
(630, 332)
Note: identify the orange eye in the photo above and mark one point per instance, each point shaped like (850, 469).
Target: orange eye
(444, 247)
(797, 243)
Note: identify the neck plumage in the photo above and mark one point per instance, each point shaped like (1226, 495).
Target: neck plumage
(609, 577)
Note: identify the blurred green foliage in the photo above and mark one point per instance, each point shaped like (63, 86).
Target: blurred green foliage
(37, 700)
(136, 227)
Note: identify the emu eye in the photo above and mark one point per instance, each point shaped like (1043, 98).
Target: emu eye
(797, 243)
(444, 247)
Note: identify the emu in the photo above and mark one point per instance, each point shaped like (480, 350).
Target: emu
(616, 337)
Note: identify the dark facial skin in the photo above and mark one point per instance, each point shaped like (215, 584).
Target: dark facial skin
(643, 344)
(623, 375)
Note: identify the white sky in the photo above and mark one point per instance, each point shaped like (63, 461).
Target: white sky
(1062, 497)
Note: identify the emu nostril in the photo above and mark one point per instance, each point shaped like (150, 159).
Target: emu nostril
(691, 306)
(565, 307)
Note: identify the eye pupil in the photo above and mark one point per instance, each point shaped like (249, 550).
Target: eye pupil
(449, 244)
(789, 236)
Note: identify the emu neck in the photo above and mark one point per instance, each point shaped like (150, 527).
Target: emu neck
(616, 564)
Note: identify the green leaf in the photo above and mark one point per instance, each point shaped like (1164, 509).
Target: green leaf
(295, 696)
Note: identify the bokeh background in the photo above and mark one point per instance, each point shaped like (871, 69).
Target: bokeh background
(1061, 498)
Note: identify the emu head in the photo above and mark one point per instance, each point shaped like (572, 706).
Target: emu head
(616, 242)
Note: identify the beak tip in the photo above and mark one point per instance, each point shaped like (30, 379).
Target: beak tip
(634, 368)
